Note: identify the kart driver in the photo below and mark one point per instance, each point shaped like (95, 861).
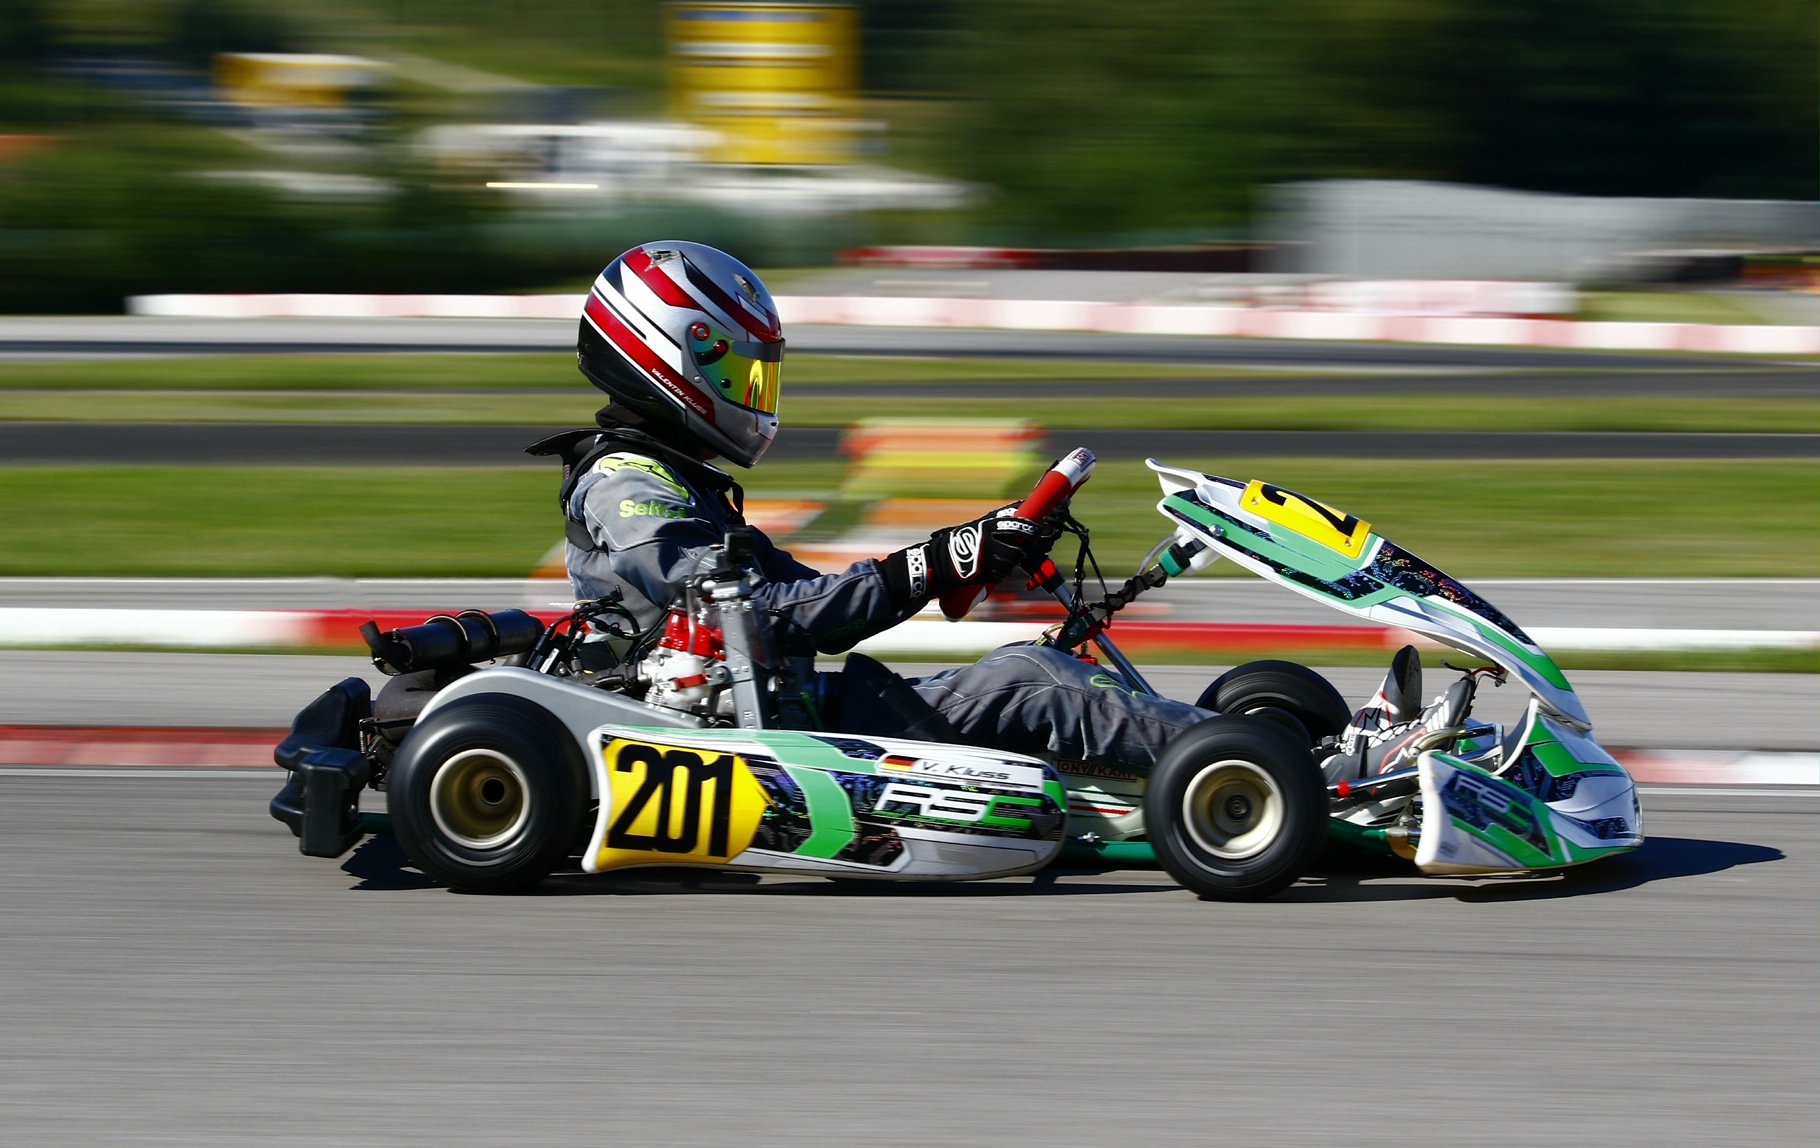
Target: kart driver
(686, 342)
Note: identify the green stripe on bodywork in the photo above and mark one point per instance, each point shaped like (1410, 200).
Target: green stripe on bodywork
(830, 813)
(1293, 550)
(1539, 662)
(1108, 854)
(1374, 840)
(1555, 758)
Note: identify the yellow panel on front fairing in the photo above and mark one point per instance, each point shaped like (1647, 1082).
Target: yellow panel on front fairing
(673, 805)
(1334, 529)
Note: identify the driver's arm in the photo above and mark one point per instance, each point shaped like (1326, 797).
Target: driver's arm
(655, 539)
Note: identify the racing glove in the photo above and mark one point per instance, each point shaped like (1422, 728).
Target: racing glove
(982, 552)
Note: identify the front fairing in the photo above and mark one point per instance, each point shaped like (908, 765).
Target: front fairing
(1339, 561)
(1557, 799)
(1546, 797)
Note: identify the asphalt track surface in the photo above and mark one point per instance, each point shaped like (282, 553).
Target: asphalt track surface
(441, 445)
(1630, 708)
(103, 336)
(175, 973)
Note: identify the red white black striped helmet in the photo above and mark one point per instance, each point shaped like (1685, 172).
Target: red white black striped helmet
(689, 338)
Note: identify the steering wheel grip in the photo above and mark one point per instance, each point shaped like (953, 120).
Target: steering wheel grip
(1058, 483)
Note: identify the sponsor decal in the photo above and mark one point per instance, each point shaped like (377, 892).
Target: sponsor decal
(1099, 808)
(627, 461)
(1108, 682)
(670, 805)
(1092, 769)
(1334, 529)
(1482, 803)
(955, 805)
(967, 773)
(964, 551)
(916, 562)
(651, 509)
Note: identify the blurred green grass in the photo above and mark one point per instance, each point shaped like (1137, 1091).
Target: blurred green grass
(543, 389)
(1666, 307)
(1479, 519)
(1291, 412)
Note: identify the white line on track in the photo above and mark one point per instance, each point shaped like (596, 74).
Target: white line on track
(1724, 791)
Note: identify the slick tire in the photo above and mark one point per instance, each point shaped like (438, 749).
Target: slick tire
(1280, 691)
(487, 795)
(1235, 809)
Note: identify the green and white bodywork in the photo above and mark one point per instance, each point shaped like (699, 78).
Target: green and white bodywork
(831, 804)
(1544, 796)
(671, 791)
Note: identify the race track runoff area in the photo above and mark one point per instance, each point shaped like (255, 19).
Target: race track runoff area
(176, 973)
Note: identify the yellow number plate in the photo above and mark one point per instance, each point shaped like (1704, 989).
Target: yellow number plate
(672, 805)
(1332, 528)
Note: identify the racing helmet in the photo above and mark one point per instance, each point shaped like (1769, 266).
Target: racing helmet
(688, 338)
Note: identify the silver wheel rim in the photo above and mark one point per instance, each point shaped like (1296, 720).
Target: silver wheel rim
(480, 799)
(1233, 809)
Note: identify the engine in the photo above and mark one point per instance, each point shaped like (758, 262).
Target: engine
(687, 668)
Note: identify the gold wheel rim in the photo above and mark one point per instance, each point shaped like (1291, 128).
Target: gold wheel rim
(480, 799)
(1233, 809)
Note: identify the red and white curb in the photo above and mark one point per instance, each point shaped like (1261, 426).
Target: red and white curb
(1054, 315)
(142, 747)
(339, 629)
(203, 751)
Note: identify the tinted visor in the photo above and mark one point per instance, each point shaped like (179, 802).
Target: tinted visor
(743, 373)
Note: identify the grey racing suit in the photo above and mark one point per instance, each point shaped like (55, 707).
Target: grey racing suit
(651, 521)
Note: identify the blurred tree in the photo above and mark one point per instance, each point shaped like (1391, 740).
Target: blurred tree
(1166, 114)
(24, 33)
(1632, 97)
(906, 45)
(201, 28)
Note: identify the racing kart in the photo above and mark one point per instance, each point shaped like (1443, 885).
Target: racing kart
(593, 743)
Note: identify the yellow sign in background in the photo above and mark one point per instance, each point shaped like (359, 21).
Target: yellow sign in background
(777, 81)
(676, 805)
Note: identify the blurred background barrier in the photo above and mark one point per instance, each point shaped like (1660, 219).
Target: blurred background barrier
(1404, 313)
(207, 146)
(1404, 229)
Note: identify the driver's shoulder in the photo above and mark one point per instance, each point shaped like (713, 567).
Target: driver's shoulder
(630, 471)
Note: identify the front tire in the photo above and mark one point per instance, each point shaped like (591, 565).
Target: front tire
(1235, 809)
(487, 795)
(1280, 690)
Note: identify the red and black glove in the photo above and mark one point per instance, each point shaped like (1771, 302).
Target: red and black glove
(982, 552)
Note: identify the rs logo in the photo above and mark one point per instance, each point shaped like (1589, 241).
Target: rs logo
(956, 805)
(669, 804)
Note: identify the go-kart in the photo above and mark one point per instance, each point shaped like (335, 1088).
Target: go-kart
(594, 743)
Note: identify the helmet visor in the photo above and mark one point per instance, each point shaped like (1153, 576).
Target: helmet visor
(744, 373)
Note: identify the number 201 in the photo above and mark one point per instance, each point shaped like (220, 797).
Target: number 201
(660, 784)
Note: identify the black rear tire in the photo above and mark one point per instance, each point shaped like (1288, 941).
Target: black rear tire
(487, 795)
(1235, 809)
(1278, 690)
